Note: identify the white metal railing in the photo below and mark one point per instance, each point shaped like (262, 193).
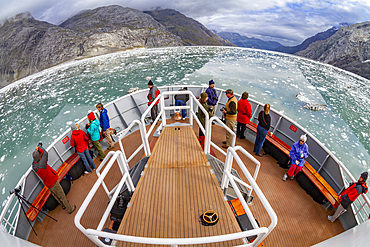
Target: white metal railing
(208, 137)
(229, 164)
(228, 177)
(112, 195)
(94, 234)
(192, 115)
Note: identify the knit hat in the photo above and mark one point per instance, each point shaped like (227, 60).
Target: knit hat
(203, 96)
(91, 116)
(211, 82)
(36, 156)
(73, 127)
(364, 176)
(150, 82)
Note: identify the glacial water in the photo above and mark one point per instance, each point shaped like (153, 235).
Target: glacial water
(42, 106)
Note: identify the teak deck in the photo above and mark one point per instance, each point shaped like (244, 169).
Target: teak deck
(176, 188)
(301, 221)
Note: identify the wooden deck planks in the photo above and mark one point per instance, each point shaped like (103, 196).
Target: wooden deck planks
(306, 227)
(178, 187)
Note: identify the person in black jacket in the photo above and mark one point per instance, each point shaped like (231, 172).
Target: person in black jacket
(264, 121)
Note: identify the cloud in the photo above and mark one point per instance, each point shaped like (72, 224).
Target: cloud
(286, 21)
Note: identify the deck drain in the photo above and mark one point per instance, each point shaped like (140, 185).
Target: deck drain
(209, 218)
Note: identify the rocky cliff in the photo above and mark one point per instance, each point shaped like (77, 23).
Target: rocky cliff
(28, 45)
(348, 48)
(189, 30)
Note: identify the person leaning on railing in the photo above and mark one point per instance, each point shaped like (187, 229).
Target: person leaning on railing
(49, 177)
(93, 130)
(349, 195)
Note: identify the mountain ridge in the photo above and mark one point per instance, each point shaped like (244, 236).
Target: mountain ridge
(29, 46)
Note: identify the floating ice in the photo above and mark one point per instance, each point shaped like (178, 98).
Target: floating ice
(66, 112)
(2, 158)
(53, 106)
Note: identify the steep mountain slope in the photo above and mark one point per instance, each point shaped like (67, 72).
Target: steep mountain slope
(244, 41)
(189, 30)
(348, 48)
(28, 46)
(114, 28)
(320, 36)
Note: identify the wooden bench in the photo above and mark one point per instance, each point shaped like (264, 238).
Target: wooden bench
(310, 172)
(45, 193)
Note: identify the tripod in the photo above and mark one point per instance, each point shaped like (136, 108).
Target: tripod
(21, 199)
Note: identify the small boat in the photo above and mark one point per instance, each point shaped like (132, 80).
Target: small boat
(164, 185)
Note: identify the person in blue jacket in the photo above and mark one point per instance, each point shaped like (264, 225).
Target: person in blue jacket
(104, 124)
(298, 154)
(93, 130)
(212, 98)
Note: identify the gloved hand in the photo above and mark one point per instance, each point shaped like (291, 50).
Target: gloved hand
(297, 162)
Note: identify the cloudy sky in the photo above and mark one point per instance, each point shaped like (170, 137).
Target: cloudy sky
(286, 21)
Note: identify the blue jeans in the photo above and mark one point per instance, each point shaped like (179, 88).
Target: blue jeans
(260, 139)
(181, 103)
(87, 160)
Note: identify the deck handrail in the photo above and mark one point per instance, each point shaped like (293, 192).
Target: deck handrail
(94, 234)
(163, 109)
(113, 157)
(223, 125)
(228, 177)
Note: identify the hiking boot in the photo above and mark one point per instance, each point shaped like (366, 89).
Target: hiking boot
(224, 142)
(224, 146)
(73, 209)
(330, 218)
(285, 176)
(110, 148)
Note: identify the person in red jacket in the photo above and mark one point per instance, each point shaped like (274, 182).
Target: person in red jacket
(243, 116)
(349, 195)
(79, 140)
(49, 177)
(153, 93)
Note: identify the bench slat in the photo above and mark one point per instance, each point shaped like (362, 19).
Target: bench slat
(45, 193)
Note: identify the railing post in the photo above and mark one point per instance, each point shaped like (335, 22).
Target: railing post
(227, 168)
(162, 110)
(191, 109)
(145, 139)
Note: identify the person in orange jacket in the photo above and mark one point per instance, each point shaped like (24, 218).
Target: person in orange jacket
(349, 195)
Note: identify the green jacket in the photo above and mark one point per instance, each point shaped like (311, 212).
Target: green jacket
(201, 116)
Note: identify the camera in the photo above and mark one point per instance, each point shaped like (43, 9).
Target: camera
(223, 108)
(16, 190)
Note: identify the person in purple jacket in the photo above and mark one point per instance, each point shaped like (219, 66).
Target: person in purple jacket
(298, 154)
(212, 98)
(104, 124)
